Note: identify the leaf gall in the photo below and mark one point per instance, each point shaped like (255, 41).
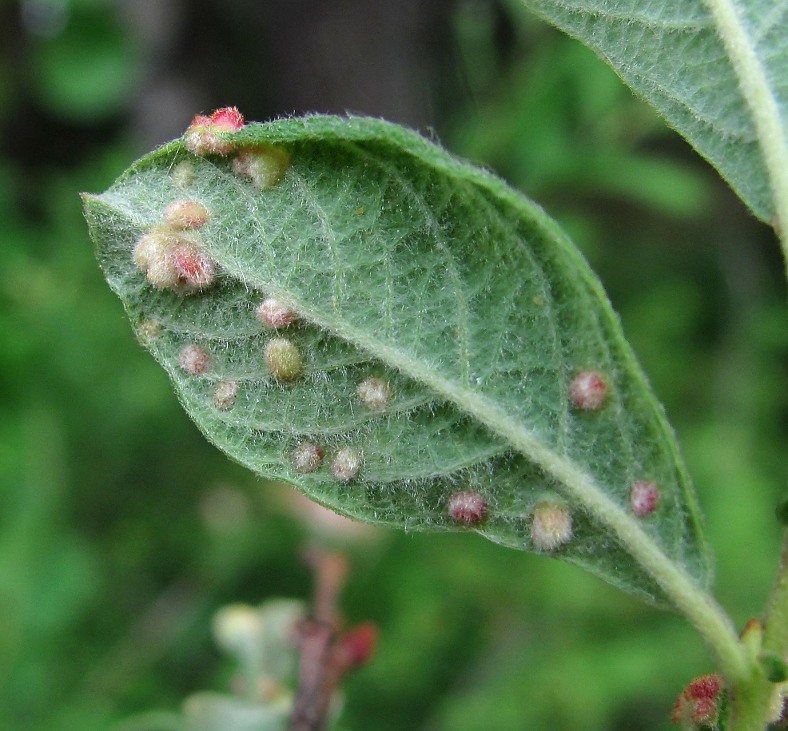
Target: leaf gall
(153, 256)
(644, 498)
(194, 359)
(195, 271)
(588, 391)
(307, 457)
(551, 525)
(275, 314)
(224, 395)
(283, 359)
(467, 507)
(346, 464)
(183, 214)
(375, 393)
(262, 164)
(201, 137)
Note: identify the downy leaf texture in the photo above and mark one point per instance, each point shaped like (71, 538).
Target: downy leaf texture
(716, 70)
(459, 304)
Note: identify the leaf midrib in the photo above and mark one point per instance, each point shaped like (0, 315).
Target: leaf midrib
(760, 99)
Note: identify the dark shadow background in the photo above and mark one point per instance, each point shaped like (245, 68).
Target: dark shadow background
(122, 531)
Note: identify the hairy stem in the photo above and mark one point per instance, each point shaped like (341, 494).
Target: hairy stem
(751, 699)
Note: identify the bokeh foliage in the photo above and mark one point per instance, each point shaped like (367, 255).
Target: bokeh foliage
(122, 531)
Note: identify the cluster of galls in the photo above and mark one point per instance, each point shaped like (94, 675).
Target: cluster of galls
(550, 519)
(263, 165)
(171, 256)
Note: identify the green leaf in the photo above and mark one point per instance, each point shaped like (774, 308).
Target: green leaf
(716, 70)
(407, 265)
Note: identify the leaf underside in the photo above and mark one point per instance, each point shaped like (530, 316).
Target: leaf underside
(672, 53)
(407, 265)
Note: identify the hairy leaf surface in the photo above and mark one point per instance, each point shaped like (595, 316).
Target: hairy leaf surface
(717, 70)
(407, 265)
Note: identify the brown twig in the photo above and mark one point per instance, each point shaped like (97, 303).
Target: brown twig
(326, 655)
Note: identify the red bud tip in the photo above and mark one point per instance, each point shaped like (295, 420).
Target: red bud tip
(358, 644)
(698, 703)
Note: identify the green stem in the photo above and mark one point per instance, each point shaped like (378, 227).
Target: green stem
(775, 636)
(751, 698)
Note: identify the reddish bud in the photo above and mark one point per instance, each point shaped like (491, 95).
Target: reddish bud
(375, 393)
(194, 359)
(644, 498)
(184, 214)
(307, 457)
(346, 464)
(551, 525)
(275, 314)
(698, 703)
(358, 644)
(467, 507)
(588, 391)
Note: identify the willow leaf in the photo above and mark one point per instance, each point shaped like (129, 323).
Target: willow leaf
(408, 266)
(717, 70)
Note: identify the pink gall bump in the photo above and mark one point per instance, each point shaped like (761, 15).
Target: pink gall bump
(644, 498)
(195, 271)
(263, 165)
(275, 314)
(224, 395)
(201, 137)
(184, 214)
(468, 507)
(588, 391)
(551, 526)
(194, 359)
(306, 457)
(228, 119)
(375, 393)
(283, 359)
(346, 464)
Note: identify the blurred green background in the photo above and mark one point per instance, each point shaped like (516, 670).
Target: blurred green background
(122, 531)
